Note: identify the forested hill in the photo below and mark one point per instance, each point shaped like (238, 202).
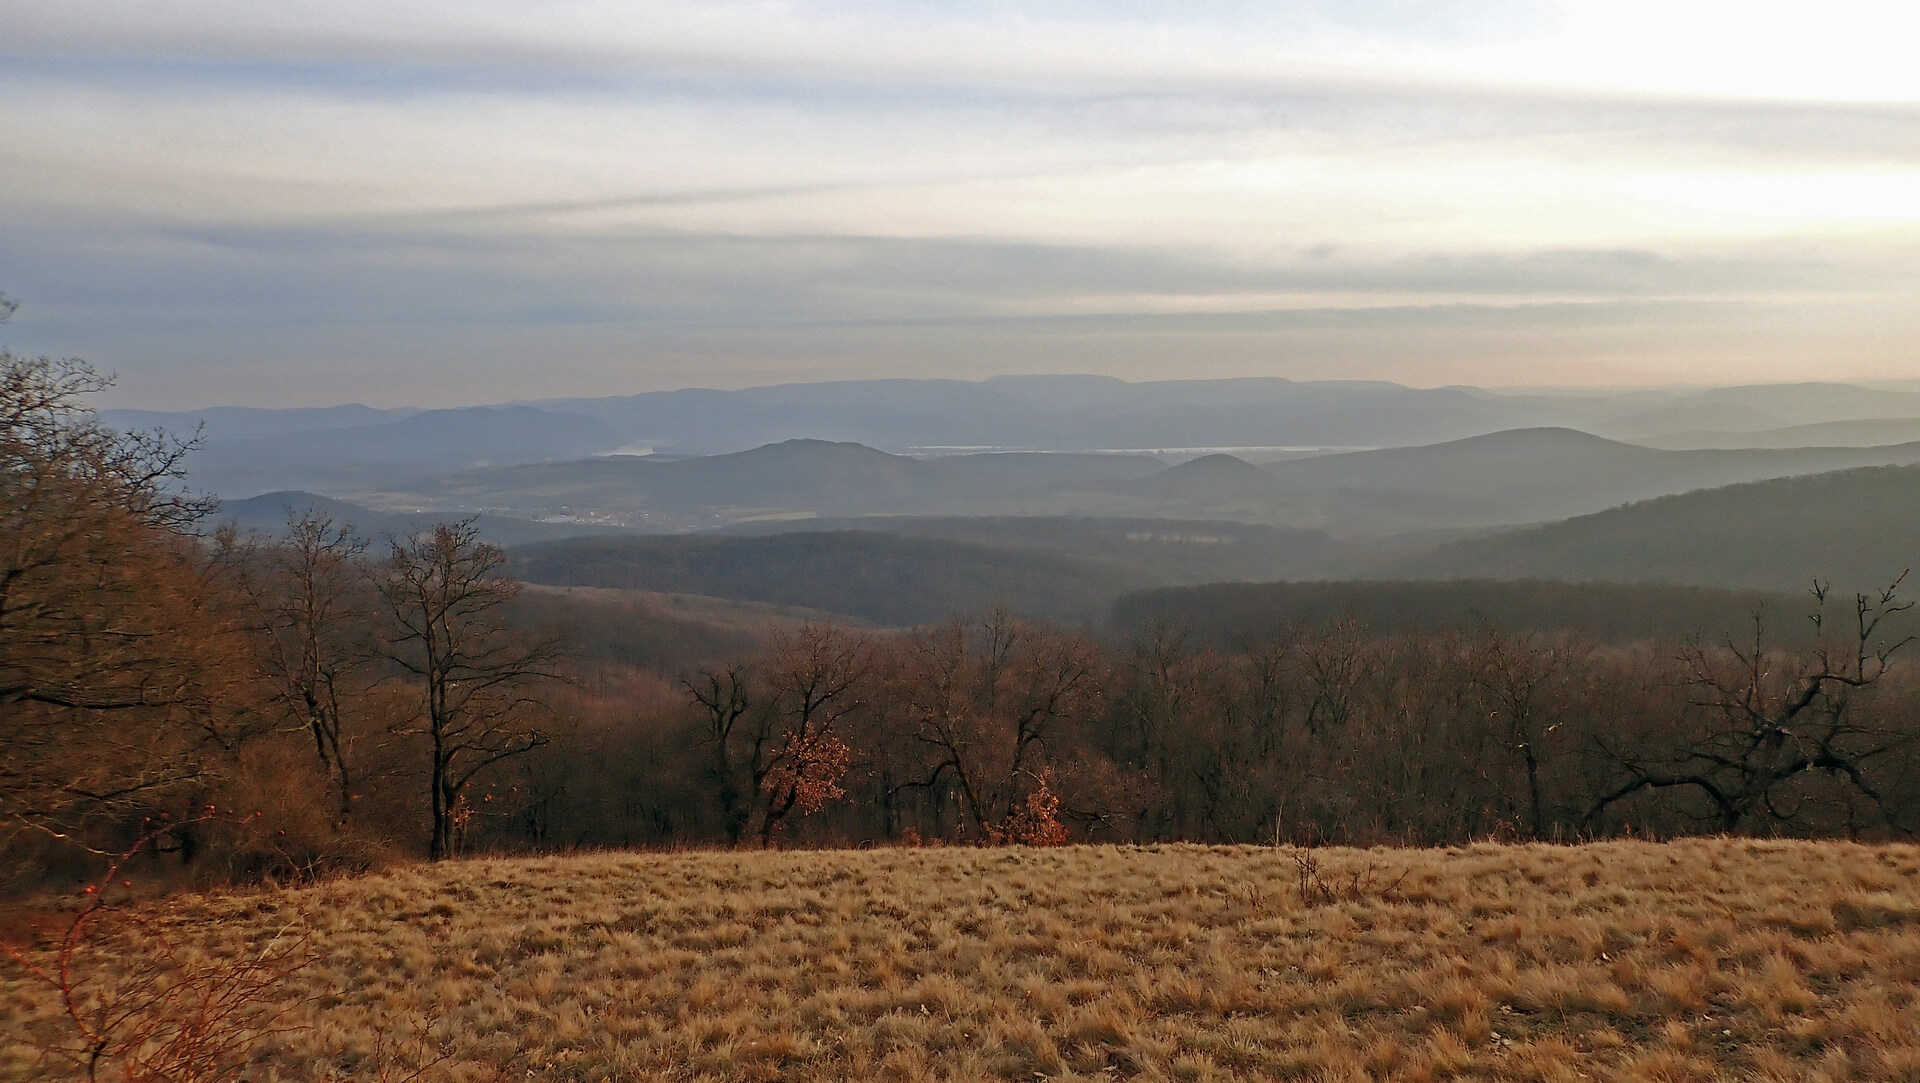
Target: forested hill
(1161, 551)
(268, 514)
(1531, 475)
(1858, 528)
(881, 578)
(1237, 614)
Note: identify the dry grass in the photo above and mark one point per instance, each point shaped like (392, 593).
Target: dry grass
(1696, 960)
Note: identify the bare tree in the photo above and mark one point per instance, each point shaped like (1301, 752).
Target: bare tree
(312, 595)
(1337, 665)
(445, 591)
(726, 695)
(817, 678)
(1772, 719)
(983, 702)
(1524, 681)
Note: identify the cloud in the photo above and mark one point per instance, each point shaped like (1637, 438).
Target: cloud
(1767, 49)
(219, 196)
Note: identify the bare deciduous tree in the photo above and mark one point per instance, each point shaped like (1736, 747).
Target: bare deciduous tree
(1772, 718)
(982, 702)
(1524, 681)
(817, 677)
(725, 695)
(312, 594)
(444, 591)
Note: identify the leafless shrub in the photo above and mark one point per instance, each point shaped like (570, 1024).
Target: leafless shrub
(135, 1008)
(1319, 887)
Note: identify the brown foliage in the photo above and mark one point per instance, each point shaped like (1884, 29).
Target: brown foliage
(117, 635)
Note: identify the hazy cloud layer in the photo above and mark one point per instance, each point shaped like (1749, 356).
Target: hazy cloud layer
(451, 202)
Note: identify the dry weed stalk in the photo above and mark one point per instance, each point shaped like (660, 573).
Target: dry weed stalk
(135, 1008)
(1321, 888)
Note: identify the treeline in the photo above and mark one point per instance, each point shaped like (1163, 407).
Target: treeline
(1229, 614)
(996, 729)
(337, 700)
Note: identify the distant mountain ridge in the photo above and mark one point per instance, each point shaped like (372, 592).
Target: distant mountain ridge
(1499, 479)
(333, 448)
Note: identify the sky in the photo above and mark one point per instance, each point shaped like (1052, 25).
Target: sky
(438, 202)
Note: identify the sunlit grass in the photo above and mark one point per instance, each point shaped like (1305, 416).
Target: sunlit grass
(1693, 960)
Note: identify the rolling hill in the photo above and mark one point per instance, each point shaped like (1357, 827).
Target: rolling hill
(793, 479)
(1858, 528)
(1870, 432)
(251, 450)
(1065, 412)
(1155, 550)
(1505, 478)
(236, 458)
(267, 514)
(881, 578)
(1531, 475)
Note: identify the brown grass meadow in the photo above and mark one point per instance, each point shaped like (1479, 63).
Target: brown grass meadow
(1689, 960)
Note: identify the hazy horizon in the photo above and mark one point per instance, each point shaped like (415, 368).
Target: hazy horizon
(114, 399)
(442, 203)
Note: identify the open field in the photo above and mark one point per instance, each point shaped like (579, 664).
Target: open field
(1692, 960)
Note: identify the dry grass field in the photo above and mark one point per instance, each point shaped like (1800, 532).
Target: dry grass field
(1693, 960)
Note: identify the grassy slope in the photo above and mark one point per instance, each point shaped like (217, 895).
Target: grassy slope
(1695, 960)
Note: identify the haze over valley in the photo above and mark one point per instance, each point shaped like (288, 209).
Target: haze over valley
(1113, 486)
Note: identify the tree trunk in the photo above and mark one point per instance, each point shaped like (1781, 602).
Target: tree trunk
(442, 812)
(1533, 791)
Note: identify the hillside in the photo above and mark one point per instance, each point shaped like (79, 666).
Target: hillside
(267, 514)
(1156, 550)
(317, 449)
(1531, 475)
(1704, 960)
(1756, 408)
(885, 579)
(1236, 614)
(1870, 432)
(788, 480)
(664, 633)
(1858, 528)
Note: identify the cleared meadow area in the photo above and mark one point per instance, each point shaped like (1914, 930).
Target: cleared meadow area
(1691, 960)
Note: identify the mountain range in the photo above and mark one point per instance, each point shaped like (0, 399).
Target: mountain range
(248, 451)
(1500, 479)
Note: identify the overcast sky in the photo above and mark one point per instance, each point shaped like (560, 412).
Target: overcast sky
(452, 201)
